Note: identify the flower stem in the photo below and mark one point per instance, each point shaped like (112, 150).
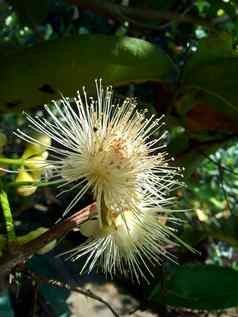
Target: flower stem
(38, 184)
(7, 216)
(10, 161)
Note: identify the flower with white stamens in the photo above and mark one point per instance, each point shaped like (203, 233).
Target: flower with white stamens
(110, 150)
(134, 242)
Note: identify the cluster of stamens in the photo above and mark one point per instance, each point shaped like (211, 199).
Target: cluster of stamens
(111, 151)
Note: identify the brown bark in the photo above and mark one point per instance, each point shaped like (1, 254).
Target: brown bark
(20, 254)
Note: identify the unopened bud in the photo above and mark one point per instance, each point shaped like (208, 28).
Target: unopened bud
(37, 148)
(45, 155)
(36, 164)
(25, 190)
(89, 228)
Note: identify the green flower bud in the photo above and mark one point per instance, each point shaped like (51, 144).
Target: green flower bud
(36, 163)
(90, 227)
(25, 190)
(37, 149)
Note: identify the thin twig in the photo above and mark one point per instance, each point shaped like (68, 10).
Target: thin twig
(221, 169)
(223, 188)
(38, 184)
(34, 308)
(137, 16)
(85, 292)
(185, 12)
(218, 164)
(21, 253)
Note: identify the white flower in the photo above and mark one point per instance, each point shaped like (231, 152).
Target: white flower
(133, 243)
(111, 150)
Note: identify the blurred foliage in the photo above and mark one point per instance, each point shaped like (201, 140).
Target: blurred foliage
(212, 193)
(178, 58)
(190, 286)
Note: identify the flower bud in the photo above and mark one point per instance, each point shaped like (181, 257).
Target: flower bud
(89, 228)
(37, 148)
(36, 164)
(25, 190)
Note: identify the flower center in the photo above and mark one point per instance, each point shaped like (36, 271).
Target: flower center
(109, 162)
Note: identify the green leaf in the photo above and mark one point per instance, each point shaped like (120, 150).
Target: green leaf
(179, 141)
(56, 297)
(210, 49)
(217, 78)
(198, 286)
(213, 70)
(34, 76)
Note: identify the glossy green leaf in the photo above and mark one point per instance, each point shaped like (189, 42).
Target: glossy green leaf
(210, 49)
(218, 78)
(179, 141)
(34, 76)
(56, 297)
(213, 70)
(198, 286)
